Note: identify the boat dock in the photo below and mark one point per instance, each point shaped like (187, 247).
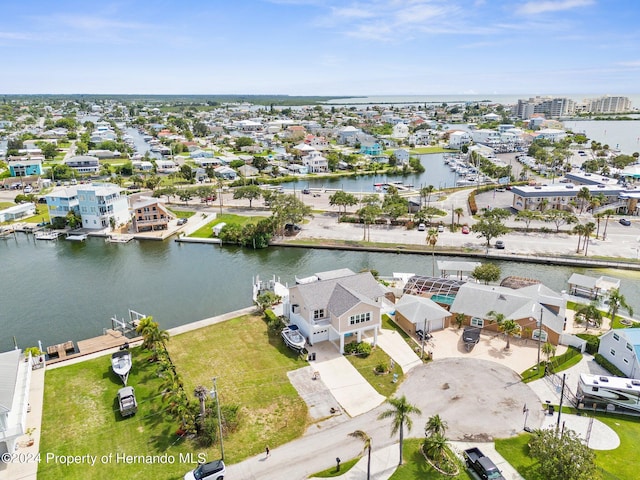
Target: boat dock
(119, 238)
(66, 351)
(77, 238)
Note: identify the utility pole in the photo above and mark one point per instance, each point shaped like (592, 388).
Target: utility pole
(424, 334)
(539, 337)
(564, 377)
(214, 394)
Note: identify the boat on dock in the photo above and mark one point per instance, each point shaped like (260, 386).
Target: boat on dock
(121, 364)
(293, 338)
(47, 235)
(119, 238)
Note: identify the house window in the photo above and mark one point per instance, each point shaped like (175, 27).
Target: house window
(612, 352)
(359, 318)
(629, 347)
(477, 322)
(625, 361)
(616, 337)
(538, 333)
(318, 314)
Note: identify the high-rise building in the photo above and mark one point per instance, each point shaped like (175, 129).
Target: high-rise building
(608, 104)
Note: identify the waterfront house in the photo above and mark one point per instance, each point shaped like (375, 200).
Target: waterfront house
(459, 138)
(150, 215)
(402, 156)
(61, 201)
(415, 312)
(100, 204)
(371, 147)
(25, 167)
(226, 173)
(621, 347)
(336, 306)
(17, 212)
(315, 162)
(15, 379)
(400, 130)
(526, 306)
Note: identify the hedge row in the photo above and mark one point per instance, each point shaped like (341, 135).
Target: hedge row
(603, 362)
(593, 342)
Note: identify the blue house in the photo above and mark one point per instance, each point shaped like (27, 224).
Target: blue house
(371, 148)
(24, 168)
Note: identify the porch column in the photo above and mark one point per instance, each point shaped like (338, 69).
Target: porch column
(359, 336)
(342, 343)
(375, 336)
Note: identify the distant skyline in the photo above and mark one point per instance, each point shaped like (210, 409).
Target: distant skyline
(321, 47)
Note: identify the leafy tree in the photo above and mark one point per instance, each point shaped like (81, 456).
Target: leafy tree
(617, 301)
(343, 199)
(266, 300)
(49, 150)
(260, 163)
(250, 192)
(185, 194)
(187, 173)
(486, 273)
(528, 216)
(74, 219)
(366, 439)
(559, 218)
(167, 192)
(152, 182)
(400, 414)
(288, 209)
(427, 213)
(490, 227)
(231, 233)
(243, 142)
(562, 456)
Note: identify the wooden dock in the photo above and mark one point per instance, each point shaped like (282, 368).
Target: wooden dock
(110, 339)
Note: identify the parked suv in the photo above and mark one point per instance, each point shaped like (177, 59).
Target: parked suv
(208, 471)
(625, 221)
(500, 244)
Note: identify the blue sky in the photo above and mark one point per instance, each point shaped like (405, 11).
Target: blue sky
(321, 47)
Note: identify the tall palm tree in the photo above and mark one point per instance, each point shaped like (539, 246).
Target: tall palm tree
(589, 228)
(366, 439)
(598, 216)
(607, 215)
(579, 230)
(584, 195)
(432, 239)
(459, 212)
(496, 317)
(549, 350)
(399, 413)
(588, 314)
(509, 328)
(616, 301)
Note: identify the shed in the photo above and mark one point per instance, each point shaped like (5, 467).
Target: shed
(218, 228)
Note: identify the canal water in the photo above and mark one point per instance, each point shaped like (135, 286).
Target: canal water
(59, 291)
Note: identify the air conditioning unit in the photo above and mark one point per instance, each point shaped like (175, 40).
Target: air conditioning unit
(295, 308)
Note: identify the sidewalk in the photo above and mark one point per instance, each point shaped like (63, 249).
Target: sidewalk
(383, 463)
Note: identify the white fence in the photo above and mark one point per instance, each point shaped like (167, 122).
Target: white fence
(573, 341)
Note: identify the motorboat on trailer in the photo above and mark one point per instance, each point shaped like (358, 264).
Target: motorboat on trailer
(293, 338)
(121, 364)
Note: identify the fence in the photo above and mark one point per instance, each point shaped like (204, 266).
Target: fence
(573, 341)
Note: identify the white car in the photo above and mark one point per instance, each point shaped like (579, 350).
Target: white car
(28, 189)
(207, 471)
(422, 227)
(440, 228)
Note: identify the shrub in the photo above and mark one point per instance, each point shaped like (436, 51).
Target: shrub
(362, 349)
(593, 342)
(600, 360)
(473, 207)
(382, 367)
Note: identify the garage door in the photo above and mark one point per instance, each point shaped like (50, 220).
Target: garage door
(436, 324)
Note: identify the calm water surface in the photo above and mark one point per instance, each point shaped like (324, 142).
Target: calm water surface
(58, 291)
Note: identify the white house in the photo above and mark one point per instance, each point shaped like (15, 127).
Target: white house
(99, 203)
(402, 156)
(16, 212)
(336, 305)
(459, 138)
(315, 162)
(622, 348)
(15, 378)
(84, 164)
(400, 130)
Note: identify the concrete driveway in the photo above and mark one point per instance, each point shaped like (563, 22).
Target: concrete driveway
(394, 345)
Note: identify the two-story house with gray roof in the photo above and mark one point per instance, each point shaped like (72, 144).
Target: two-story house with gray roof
(336, 306)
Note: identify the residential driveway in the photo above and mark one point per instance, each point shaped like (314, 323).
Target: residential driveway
(489, 449)
(480, 400)
(354, 394)
(395, 346)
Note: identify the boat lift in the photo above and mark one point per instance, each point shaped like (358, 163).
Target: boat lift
(127, 327)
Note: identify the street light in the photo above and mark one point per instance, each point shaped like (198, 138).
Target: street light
(214, 394)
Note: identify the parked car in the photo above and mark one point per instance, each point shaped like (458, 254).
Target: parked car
(306, 191)
(208, 471)
(182, 221)
(625, 221)
(28, 189)
(465, 230)
(500, 244)
(420, 334)
(440, 228)
(422, 227)
(290, 229)
(500, 189)
(481, 464)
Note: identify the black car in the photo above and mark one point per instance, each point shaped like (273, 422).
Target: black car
(625, 221)
(422, 336)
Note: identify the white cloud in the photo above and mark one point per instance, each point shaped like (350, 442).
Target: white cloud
(630, 63)
(537, 7)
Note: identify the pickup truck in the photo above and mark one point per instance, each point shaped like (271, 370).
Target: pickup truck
(470, 336)
(482, 465)
(127, 401)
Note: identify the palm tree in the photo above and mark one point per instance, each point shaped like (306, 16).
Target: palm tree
(509, 328)
(366, 439)
(145, 327)
(496, 317)
(435, 425)
(579, 230)
(584, 195)
(588, 314)
(589, 228)
(549, 350)
(399, 413)
(201, 393)
(598, 216)
(435, 447)
(607, 215)
(432, 239)
(458, 318)
(459, 212)
(617, 300)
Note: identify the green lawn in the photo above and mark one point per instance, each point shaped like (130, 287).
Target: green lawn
(615, 464)
(251, 367)
(81, 417)
(332, 472)
(427, 150)
(415, 466)
(181, 213)
(207, 230)
(557, 364)
(4, 205)
(382, 383)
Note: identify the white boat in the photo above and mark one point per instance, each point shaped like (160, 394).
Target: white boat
(293, 338)
(121, 364)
